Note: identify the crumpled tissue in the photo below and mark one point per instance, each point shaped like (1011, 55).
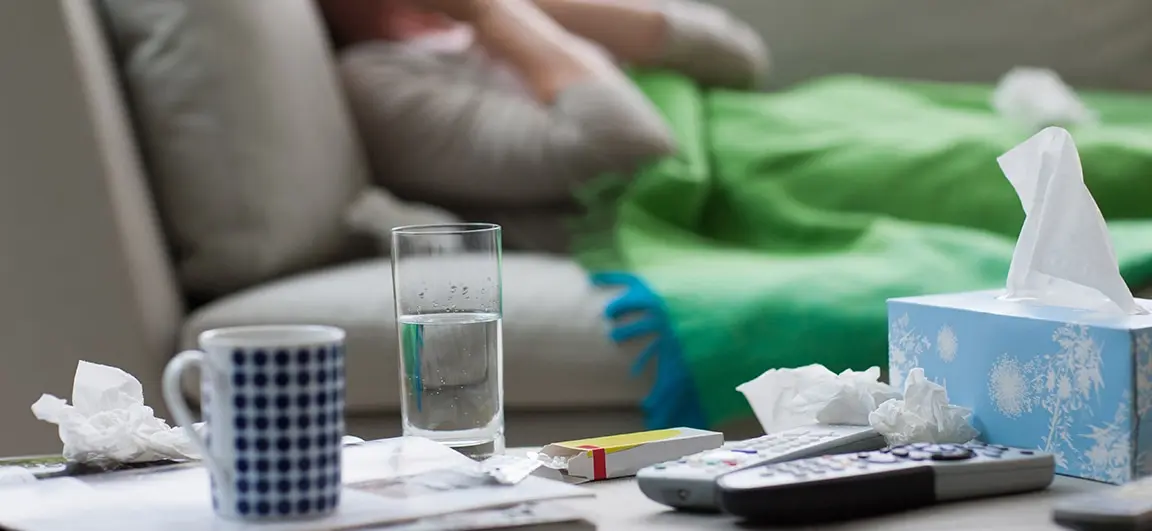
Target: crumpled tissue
(1064, 254)
(108, 421)
(924, 415)
(788, 398)
(1037, 98)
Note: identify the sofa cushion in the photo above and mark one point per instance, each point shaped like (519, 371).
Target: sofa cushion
(251, 151)
(556, 349)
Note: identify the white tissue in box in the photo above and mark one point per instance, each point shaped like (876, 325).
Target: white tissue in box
(108, 420)
(1061, 359)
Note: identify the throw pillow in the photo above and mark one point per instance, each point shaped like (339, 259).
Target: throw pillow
(252, 155)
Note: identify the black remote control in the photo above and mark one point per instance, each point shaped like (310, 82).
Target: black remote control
(893, 479)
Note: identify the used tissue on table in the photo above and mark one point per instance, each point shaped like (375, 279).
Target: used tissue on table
(788, 398)
(1061, 359)
(922, 415)
(108, 421)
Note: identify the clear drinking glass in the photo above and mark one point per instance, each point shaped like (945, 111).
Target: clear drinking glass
(447, 285)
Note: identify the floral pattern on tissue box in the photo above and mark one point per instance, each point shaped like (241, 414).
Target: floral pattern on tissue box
(1074, 383)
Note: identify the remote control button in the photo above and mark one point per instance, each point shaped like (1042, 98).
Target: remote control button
(993, 455)
(863, 455)
(999, 447)
(885, 450)
(919, 456)
(953, 455)
(900, 452)
(661, 467)
(744, 451)
(882, 458)
(1027, 452)
(921, 446)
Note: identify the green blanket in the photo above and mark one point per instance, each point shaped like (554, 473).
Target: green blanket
(775, 236)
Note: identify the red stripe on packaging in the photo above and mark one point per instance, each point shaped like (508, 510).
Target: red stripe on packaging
(599, 461)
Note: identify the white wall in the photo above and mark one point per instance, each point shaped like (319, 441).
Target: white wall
(1090, 42)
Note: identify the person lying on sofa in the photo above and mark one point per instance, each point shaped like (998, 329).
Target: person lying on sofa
(498, 109)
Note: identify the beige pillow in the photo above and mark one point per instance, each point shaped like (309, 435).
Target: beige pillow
(252, 154)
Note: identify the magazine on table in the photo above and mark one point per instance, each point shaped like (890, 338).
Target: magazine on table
(408, 481)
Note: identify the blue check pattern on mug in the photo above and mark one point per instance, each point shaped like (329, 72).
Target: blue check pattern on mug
(286, 428)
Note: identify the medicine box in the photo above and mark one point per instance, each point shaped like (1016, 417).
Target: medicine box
(623, 455)
(1075, 383)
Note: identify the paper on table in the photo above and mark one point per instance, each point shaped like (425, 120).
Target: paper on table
(1064, 256)
(179, 499)
(15, 475)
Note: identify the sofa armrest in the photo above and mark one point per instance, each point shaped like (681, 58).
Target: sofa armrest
(84, 272)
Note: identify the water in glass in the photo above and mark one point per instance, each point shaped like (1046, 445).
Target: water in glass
(452, 373)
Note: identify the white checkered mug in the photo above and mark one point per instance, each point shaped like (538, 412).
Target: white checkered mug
(272, 398)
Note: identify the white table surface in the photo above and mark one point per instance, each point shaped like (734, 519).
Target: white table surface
(619, 505)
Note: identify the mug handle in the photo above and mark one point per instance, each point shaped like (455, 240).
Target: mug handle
(174, 397)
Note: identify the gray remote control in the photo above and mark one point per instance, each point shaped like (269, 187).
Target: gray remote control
(1128, 507)
(690, 483)
(892, 479)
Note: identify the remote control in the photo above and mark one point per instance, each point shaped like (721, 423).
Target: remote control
(1128, 507)
(690, 483)
(891, 479)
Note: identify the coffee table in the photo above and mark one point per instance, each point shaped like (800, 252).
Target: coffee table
(619, 506)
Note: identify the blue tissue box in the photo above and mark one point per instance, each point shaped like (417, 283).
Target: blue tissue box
(1071, 382)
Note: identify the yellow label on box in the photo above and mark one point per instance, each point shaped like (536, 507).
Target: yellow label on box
(619, 443)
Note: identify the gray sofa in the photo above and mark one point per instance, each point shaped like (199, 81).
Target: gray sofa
(93, 268)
